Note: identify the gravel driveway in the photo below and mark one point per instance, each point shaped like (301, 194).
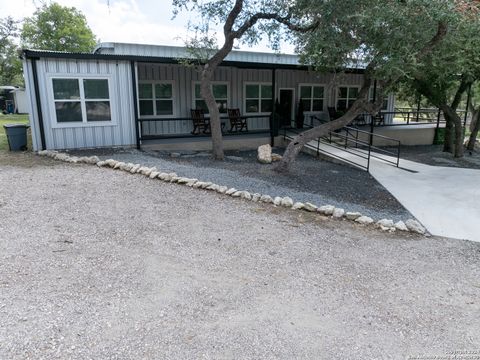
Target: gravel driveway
(98, 264)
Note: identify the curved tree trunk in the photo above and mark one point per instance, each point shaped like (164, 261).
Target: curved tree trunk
(452, 117)
(215, 124)
(448, 141)
(474, 128)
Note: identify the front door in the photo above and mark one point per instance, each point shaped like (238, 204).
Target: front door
(287, 106)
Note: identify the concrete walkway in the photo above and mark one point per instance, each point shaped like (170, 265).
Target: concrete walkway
(445, 200)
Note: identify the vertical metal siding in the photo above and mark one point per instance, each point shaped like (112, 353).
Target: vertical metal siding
(84, 136)
(32, 105)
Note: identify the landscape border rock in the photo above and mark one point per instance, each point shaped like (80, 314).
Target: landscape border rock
(287, 202)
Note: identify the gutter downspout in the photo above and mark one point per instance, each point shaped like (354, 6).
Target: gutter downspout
(39, 105)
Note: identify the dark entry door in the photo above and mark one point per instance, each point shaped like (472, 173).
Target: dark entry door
(286, 106)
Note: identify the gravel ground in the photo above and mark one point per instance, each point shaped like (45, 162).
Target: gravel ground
(316, 181)
(433, 155)
(99, 264)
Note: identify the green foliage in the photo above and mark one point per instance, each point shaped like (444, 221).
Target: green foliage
(58, 28)
(10, 64)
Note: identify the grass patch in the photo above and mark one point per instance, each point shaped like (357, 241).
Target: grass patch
(11, 119)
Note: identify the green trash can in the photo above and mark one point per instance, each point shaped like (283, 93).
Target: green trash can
(16, 136)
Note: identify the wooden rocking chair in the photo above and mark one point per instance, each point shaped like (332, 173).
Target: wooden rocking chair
(200, 123)
(237, 122)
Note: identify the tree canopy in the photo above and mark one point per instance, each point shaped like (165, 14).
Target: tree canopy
(10, 64)
(58, 28)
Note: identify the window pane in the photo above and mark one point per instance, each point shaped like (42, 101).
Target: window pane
(318, 92)
(197, 92)
(163, 91)
(251, 91)
(164, 107)
(200, 104)
(66, 89)
(353, 93)
(306, 105)
(267, 106)
(266, 91)
(343, 92)
(305, 92)
(146, 107)
(98, 110)
(342, 105)
(219, 91)
(251, 106)
(145, 91)
(68, 111)
(317, 105)
(385, 104)
(96, 88)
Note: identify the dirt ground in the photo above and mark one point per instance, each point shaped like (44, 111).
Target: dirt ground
(99, 264)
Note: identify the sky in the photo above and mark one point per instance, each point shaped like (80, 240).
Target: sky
(129, 21)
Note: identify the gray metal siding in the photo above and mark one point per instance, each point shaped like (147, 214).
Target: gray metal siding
(184, 78)
(122, 133)
(32, 105)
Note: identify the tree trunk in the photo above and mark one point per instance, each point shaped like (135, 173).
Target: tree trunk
(474, 128)
(452, 117)
(448, 140)
(215, 124)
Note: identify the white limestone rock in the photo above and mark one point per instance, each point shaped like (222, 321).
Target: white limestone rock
(277, 201)
(153, 174)
(387, 223)
(128, 167)
(264, 154)
(60, 156)
(298, 206)
(51, 153)
(135, 168)
(400, 225)
(191, 182)
(43, 153)
(326, 209)
(213, 187)
(150, 170)
(206, 184)
(118, 165)
(101, 163)
(246, 195)
(197, 185)
(287, 202)
(338, 213)
(256, 197)
(230, 191)
(310, 207)
(415, 226)
(72, 160)
(266, 199)
(276, 157)
(352, 215)
(237, 193)
(222, 189)
(364, 220)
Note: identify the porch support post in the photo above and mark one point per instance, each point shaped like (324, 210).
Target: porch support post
(419, 104)
(274, 110)
(372, 123)
(135, 102)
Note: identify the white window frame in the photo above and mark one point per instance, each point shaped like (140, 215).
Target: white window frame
(312, 85)
(84, 123)
(153, 83)
(194, 99)
(259, 84)
(337, 94)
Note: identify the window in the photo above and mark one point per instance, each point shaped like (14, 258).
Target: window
(346, 96)
(385, 100)
(312, 97)
(155, 99)
(220, 92)
(258, 98)
(80, 100)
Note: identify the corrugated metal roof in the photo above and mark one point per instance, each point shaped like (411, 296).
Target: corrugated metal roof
(176, 52)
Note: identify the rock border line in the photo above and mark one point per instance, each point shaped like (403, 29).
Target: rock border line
(386, 225)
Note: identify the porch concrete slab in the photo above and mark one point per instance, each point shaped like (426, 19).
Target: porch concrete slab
(445, 200)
